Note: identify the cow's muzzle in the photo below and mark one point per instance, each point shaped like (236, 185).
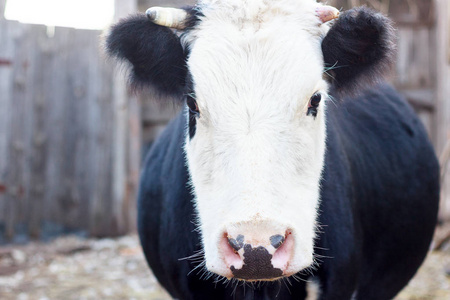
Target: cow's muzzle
(261, 258)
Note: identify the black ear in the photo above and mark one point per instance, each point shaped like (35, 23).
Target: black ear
(154, 52)
(358, 50)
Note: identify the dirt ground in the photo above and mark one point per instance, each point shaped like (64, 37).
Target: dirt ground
(74, 268)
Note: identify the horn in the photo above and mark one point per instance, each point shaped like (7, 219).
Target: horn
(327, 13)
(168, 17)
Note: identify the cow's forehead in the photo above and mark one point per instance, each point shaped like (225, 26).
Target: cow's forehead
(252, 16)
(260, 50)
(239, 10)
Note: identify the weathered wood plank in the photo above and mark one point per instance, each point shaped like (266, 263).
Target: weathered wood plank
(17, 175)
(443, 100)
(421, 99)
(414, 62)
(6, 73)
(38, 134)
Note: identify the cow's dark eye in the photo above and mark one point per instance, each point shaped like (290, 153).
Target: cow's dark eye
(192, 104)
(314, 104)
(315, 100)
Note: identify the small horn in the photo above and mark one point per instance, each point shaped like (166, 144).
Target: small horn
(168, 17)
(327, 13)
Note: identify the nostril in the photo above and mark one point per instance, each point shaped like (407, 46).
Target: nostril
(276, 240)
(284, 251)
(229, 248)
(237, 243)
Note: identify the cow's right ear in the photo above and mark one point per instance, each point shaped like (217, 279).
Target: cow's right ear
(154, 52)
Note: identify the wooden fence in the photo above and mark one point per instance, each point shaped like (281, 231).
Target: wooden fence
(69, 135)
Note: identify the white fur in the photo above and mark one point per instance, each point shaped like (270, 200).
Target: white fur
(256, 157)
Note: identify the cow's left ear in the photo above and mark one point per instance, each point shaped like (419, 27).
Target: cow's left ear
(358, 50)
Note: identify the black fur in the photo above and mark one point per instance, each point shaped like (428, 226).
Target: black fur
(380, 194)
(154, 52)
(359, 49)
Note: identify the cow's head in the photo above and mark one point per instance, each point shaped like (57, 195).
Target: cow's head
(256, 77)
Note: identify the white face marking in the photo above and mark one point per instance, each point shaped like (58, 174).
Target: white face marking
(256, 157)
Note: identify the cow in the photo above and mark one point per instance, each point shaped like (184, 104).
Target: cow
(292, 161)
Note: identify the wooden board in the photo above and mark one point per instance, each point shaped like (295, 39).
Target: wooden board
(443, 99)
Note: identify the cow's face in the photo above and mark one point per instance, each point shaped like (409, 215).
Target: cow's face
(256, 156)
(253, 76)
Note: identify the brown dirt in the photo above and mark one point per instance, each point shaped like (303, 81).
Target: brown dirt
(73, 268)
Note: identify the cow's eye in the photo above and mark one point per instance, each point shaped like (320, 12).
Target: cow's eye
(192, 104)
(315, 100)
(314, 104)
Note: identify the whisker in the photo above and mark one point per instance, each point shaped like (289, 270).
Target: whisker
(298, 278)
(322, 256)
(286, 285)
(333, 100)
(288, 280)
(279, 288)
(235, 288)
(331, 68)
(201, 265)
(320, 248)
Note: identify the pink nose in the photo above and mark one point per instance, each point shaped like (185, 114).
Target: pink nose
(264, 261)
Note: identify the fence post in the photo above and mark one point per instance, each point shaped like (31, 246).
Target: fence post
(127, 142)
(443, 90)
